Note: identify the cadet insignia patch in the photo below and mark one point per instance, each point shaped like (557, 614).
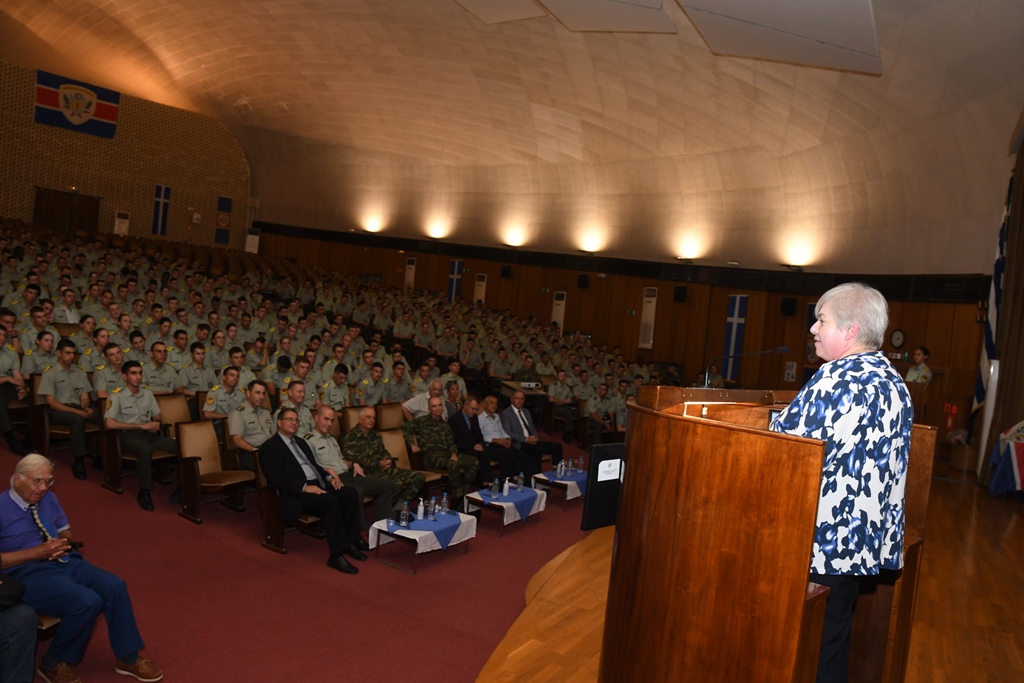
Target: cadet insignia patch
(210, 400)
(29, 352)
(361, 392)
(414, 388)
(46, 369)
(322, 395)
(110, 403)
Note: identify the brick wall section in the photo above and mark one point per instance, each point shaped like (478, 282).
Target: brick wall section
(155, 144)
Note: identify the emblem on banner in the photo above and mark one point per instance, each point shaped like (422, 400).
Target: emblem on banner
(78, 104)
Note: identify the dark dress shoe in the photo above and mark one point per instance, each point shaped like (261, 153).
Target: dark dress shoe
(144, 500)
(361, 544)
(78, 468)
(355, 553)
(17, 447)
(341, 564)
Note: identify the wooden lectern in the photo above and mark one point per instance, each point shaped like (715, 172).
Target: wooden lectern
(709, 569)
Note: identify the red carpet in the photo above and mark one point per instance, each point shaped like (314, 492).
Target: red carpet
(213, 605)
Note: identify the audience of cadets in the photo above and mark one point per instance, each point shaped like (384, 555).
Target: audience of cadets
(277, 376)
(301, 373)
(236, 359)
(224, 398)
(93, 355)
(432, 435)
(421, 379)
(160, 376)
(328, 454)
(304, 487)
(37, 550)
(510, 459)
(122, 332)
(177, 354)
(107, 376)
(294, 398)
(67, 393)
(135, 413)
(501, 367)
(335, 391)
(364, 445)
(39, 321)
(518, 423)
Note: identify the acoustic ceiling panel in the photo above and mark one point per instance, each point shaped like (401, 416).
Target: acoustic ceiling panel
(500, 11)
(837, 35)
(636, 16)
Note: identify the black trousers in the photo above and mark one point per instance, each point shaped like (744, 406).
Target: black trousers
(538, 450)
(834, 656)
(511, 461)
(341, 510)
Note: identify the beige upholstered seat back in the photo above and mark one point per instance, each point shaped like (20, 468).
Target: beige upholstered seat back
(199, 440)
(394, 442)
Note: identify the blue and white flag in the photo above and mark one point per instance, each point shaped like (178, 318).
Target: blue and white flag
(735, 322)
(454, 280)
(161, 204)
(995, 297)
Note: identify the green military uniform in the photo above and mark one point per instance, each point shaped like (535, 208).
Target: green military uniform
(449, 377)
(179, 358)
(334, 396)
(245, 375)
(604, 407)
(255, 425)
(397, 391)
(216, 358)
(218, 400)
(327, 452)
(67, 387)
(306, 423)
(107, 378)
(140, 357)
(30, 335)
(9, 364)
(163, 380)
(370, 393)
(621, 414)
(195, 378)
(91, 358)
(124, 406)
(584, 392)
(501, 367)
(35, 361)
(566, 411)
(368, 450)
(435, 440)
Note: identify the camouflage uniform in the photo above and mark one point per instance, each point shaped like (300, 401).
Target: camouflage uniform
(434, 437)
(327, 452)
(368, 450)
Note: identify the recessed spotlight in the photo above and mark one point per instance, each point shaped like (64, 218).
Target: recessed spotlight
(732, 263)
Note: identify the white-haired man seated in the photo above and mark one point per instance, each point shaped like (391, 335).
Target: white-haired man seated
(36, 549)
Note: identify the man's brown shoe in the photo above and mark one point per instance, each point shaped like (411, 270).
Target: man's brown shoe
(142, 669)
(60, 673)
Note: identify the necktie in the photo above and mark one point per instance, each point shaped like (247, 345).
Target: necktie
(526, 427)
(44, 528)
(302, 458)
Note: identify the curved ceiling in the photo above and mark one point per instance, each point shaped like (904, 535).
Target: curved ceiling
(415, 118)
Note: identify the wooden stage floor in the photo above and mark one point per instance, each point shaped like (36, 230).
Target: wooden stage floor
(968, 625)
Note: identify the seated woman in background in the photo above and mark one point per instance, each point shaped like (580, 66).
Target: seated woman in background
(920, 372)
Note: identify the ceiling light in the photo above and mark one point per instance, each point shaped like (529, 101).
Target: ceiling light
(795, 269)
(732, 263)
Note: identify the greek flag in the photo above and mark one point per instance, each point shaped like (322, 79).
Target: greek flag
(454, 280)
(161, 203)
(995, 297)
(735, 322)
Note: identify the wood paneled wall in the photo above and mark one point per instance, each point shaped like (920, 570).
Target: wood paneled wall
(689, 333)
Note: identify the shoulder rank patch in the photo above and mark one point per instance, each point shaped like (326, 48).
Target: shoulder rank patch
(28, 352)
(308, 436)
(240, 408)
(87, 351)
(215, 387)
(117, 390)
(11, 347)
(325, 385)
(46, 369)
(100, 367)
(366, 382)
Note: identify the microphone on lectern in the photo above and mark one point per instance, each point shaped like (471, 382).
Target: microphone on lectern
(707, 372)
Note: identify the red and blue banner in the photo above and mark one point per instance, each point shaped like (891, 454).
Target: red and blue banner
(222, 233)
(66, 103)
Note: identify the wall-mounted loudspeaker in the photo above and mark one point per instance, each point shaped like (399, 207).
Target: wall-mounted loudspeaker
(506, 272)
(582, 281)
(788, 307)
(680, 294)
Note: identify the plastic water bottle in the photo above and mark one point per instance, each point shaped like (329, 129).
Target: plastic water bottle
(444, 503)
(519, 481)
(560, 472)
(495, 488)
(579, 468)
(432, 508)
(403, 520)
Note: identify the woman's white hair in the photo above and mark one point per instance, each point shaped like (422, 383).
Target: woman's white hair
(854, 303)
(31, 463)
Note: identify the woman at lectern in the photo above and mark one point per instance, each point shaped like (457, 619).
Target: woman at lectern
(859, 406)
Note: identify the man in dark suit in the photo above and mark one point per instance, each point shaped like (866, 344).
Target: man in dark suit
(518, 423)
(468, 438)
(304, 487)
